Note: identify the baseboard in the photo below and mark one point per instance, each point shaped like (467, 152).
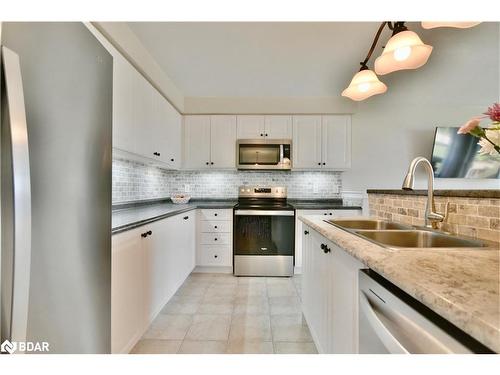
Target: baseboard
(213, 269)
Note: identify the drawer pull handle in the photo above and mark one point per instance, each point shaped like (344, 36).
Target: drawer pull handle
(186, 217)
(215, 226)
(306, 232)
(215, 256)
(215, 214)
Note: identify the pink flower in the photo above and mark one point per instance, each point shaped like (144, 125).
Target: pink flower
(494, 112)
(469, 125)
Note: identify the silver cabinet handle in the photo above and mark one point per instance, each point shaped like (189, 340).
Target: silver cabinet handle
(16, 152)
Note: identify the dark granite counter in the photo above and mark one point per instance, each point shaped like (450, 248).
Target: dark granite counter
(132, 215)
(321, 204)
(491, 193)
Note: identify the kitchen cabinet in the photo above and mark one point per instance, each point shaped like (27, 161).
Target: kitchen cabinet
(209, 142)
(149, 264)
(328, 214)
(265, 127)
(321, 142)
(146, 126)
(214, 250)
(330, 294)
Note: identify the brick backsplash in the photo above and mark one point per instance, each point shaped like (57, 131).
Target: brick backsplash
(133, 181)
(473, 217)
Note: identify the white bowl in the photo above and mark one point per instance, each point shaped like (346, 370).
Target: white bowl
(180, 200)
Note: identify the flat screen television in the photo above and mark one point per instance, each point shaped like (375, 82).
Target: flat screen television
(457, 156)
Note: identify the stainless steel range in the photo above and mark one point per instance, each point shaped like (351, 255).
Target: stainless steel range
(264, 232)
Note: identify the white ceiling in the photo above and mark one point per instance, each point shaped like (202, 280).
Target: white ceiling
(259, 59)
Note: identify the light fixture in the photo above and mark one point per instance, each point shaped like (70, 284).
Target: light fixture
(405, 50)
(365, 83)
(458, 25)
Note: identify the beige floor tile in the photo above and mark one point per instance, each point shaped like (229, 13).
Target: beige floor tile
(152, 346)
(225, 280)
(245, 280)
(182, 305)
(203, 347)
(209, 327)
(221, 290)
(250, 347)
(216, 305)
(295, 348)
(251, 290)
(283, 290)
(251, 305)
(285, 305)
(169, 327)
(250, 328)
(290, 328)
(192, 289)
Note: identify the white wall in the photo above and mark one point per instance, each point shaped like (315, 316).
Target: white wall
(460, 80)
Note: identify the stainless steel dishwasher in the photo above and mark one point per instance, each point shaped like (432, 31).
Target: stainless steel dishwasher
(391, 321)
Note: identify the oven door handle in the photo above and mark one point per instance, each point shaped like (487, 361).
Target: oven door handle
(264, 213)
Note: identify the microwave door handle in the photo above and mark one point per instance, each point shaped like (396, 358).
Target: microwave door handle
(390, 342)
(282, 154)
(15, 138)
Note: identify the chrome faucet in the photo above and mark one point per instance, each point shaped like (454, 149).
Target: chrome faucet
(431, 216)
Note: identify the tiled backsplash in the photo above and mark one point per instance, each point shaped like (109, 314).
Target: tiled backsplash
(473, 217)
(134, 181)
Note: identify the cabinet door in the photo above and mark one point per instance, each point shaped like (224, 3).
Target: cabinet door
(250, 127)
(160, 131)
(278, 127)
(144, 117)
(306, 142)
(223, 142)
(344, 317)
(197, 142)
(124, 131)
(174, 135)
(336, 142)
(127, 319)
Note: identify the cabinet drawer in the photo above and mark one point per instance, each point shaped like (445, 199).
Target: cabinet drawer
(209, 214)
(213, 255)
(216, 226)
(215, 238)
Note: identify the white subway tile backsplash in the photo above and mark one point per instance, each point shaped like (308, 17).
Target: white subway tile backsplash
(134, 181)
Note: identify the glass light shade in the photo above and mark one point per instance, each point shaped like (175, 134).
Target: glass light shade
(458, 25)
(363, 85)
(405, 50)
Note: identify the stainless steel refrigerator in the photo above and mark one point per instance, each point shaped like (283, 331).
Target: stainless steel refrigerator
(56, 94)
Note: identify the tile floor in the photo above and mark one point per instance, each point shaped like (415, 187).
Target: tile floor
(213, 313)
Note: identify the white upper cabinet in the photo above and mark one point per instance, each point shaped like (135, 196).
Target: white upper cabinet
(336, 146)
(223, 142)
(124, 130)
(322, 142)
(197, 142)
(209, 142)
(278, 127)
(145, 124)
(265, 127)
(251, 127)
(306, 146)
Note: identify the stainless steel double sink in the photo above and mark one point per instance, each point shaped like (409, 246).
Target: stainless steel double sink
(400, 236)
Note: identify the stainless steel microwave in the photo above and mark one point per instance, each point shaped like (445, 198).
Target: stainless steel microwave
(268, 154)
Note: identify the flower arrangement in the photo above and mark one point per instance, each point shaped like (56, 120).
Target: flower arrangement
(489, 138)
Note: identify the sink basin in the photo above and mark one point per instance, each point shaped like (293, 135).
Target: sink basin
(417, 238)
(367, 224)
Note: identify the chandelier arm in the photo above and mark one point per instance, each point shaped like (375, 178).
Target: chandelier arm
(374, 44)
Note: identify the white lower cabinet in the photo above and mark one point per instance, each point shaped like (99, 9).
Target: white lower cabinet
(330, 294)
(214, 248)
(149, 264)
(328, 214)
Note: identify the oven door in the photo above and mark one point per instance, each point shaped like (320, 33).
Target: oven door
(264, 242)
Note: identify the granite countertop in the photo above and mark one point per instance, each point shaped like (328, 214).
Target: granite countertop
(321, 204)
(128, 216)
(489, 193)
(461, 285)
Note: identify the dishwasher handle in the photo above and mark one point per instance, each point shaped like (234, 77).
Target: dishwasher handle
(390, 342)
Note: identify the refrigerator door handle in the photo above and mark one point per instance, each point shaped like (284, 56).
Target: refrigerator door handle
(15, 117)
(390, 342)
